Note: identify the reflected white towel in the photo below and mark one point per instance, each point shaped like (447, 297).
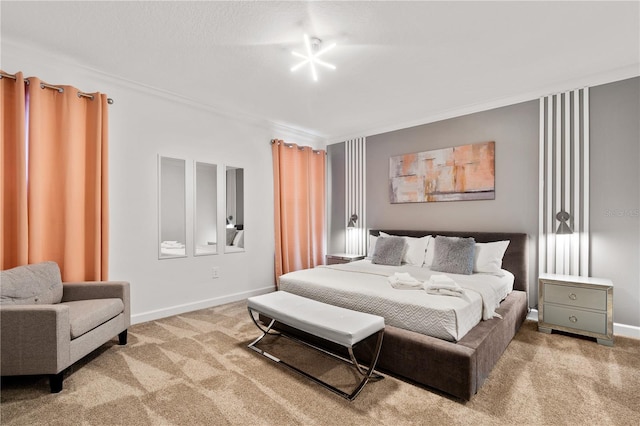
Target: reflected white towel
(443, 285)
(171, 244)
(404, 281)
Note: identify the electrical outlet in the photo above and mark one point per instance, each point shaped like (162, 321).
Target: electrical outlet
(215, 272)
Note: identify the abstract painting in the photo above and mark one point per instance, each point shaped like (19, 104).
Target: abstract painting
(459, 173)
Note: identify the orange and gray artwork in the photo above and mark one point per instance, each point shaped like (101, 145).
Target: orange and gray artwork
(458, 173)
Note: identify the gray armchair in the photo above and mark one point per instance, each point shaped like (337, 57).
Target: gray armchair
(47, 325)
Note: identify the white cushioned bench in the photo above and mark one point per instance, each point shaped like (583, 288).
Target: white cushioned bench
(335, 324)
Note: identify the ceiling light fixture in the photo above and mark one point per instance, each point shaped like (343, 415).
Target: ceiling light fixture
(312, 45)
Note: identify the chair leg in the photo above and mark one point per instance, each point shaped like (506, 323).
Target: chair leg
(122, 337)
(55, 382)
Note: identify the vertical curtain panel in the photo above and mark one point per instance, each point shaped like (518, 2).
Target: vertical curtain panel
(13, 214)
(65, 174)
(299, 207)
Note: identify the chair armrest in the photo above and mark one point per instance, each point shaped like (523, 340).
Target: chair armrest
(35, 339)
(95, 290)
(99, 290)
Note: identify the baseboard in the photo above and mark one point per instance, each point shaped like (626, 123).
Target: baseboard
(618, 329)
(201, 304)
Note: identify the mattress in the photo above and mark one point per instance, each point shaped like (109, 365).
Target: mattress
(363, 286)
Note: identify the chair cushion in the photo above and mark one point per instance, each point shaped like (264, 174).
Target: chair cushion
(37, 284)
(85, 315)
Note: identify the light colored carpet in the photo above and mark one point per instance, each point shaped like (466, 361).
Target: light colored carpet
(195, 369)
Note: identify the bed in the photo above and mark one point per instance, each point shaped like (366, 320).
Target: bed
(458, 361)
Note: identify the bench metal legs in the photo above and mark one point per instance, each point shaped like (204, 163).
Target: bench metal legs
(366, 373)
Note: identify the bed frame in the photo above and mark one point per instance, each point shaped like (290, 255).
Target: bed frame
(458, 369)
(461, 368)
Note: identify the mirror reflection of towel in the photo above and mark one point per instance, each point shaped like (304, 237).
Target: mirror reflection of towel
(171, 244)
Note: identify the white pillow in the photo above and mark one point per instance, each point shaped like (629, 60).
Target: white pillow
(416, 248)
(431, 250)
(488, 257)
(238, 240)
(372, 245)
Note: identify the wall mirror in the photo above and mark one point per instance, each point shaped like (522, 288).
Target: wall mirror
(205, 238)
(235, 210)
(172, 206)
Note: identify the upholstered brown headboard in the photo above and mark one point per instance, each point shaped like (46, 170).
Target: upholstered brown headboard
(515, 260)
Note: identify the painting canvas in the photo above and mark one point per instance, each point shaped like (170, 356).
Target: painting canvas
(450, 174)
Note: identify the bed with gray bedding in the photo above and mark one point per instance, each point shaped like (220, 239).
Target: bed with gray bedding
(456, 365)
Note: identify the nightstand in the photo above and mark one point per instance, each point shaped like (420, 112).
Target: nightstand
(332, 259)
(580, 305)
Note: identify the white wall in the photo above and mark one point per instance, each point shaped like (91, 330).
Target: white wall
(145, 122)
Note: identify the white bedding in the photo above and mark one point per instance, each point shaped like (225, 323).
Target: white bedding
(365, 287)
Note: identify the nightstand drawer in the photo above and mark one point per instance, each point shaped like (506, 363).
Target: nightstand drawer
(594, 322)
(575, 296)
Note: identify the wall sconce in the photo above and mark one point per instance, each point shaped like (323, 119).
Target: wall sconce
(352, 221)
(230, 222)
(563, 228)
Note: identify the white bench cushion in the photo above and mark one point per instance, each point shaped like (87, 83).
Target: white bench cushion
(339, 325)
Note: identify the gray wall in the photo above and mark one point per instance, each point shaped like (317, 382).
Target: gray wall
(615, 201)
(615, 179)
(515, 208)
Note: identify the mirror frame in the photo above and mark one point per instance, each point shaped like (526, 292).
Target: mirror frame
(228, 168)
(196, 215)
(162, 256)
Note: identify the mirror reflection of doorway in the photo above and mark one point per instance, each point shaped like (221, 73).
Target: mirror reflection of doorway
(234, 210)
(206, 209)
(172, 208)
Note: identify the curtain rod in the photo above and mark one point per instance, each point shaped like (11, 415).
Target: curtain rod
(49, 86)
(291, 145)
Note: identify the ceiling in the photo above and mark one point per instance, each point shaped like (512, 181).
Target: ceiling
(397, 62)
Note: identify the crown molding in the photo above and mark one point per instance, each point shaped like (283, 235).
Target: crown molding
(63, 62)
(279, 129)
(611, 76)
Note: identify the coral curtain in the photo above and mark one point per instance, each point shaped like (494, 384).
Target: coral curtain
(13, 188)
(67, 205)
(299, 192)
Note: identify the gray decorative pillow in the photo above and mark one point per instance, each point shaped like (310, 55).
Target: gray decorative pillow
(389, 251)
(454, 255)
(231, 234)
(37, 284)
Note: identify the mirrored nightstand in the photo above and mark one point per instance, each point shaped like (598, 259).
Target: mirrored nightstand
(580, 305)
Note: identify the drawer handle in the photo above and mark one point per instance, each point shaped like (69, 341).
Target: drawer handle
(572, 296)
(573, 318)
